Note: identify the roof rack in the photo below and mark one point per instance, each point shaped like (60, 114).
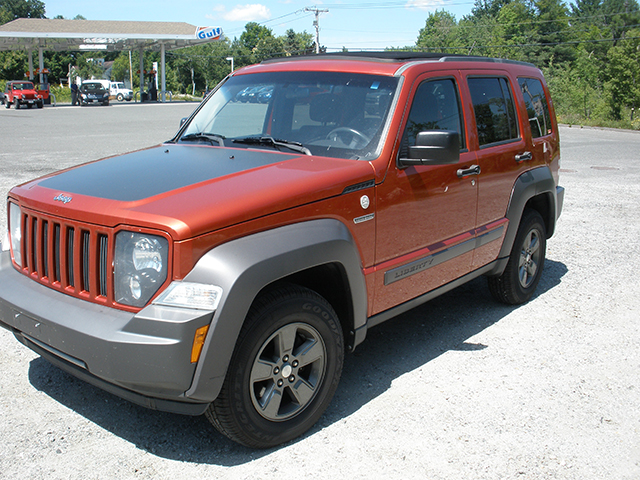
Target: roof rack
(398, 56)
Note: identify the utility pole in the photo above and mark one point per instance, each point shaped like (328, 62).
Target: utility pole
(316, 24)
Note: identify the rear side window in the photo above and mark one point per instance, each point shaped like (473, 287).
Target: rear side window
(494, 110)
(537, 106)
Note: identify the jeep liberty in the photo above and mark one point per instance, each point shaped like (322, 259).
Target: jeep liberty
(227, 271)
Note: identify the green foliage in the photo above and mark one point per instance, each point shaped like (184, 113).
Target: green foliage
(12, 9)
(590, 53)
(588, 49)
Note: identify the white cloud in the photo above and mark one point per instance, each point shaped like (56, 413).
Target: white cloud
(424, 4)
(247, 13)
(218, 8)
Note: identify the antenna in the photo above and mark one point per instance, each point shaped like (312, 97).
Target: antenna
(316, 23)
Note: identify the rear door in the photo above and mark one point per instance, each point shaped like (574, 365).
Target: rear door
(503, 154)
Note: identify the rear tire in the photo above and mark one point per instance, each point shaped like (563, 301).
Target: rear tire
(518, 282)
(284, 371)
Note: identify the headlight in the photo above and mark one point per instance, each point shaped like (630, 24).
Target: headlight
(140, 267)
(15, 232)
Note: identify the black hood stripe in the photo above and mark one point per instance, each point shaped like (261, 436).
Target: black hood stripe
(147, 173)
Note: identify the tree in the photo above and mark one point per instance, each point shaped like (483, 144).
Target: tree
(12, 9)
(440, 33)
(253, 33)
(488, 8)
(297, 43)
(551, 33)
(622, 75)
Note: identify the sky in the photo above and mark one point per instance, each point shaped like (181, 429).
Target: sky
(356, 25)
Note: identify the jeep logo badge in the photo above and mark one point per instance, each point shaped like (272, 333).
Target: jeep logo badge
(62, 198)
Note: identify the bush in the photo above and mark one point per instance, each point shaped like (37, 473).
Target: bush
(63, 94)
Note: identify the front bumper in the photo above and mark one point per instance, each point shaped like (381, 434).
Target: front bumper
(28, 101)
(143, 357)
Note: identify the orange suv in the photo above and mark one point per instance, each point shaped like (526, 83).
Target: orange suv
(229, 270)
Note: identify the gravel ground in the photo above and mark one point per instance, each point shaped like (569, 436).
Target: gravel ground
(460, 388)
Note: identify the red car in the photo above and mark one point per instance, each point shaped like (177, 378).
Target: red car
(22, 93)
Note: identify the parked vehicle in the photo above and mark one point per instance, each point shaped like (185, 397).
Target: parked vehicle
(229, 270)
(93, 91)
(118, 91)
(20, 92)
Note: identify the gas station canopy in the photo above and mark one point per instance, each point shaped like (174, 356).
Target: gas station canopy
(63, 35)
(28, 34)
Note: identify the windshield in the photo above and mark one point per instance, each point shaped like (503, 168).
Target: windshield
(23, 86)
(329, 113)
(92, 87)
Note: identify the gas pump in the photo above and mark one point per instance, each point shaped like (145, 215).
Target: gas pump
(42, 89)
(151, 95)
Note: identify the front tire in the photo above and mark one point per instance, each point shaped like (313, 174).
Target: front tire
(120, 97)
(518, 282)
(284, 370)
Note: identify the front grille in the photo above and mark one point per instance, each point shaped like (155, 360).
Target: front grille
(72, 257)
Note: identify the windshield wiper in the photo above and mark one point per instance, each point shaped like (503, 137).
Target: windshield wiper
(274, 142)
(212, 137)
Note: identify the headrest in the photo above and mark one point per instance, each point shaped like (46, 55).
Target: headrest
(325, 108)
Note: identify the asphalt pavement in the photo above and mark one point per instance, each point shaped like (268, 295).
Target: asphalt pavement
(459, 388)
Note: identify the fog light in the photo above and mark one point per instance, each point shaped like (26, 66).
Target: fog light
(190, 295)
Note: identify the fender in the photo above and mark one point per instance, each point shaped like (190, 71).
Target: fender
(530, 184)
(243, 267)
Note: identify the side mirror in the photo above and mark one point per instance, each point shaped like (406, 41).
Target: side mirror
(434, 147)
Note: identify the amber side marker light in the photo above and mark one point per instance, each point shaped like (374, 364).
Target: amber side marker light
(198, 343)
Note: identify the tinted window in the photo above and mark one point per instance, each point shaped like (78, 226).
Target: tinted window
(435, 107)
(537, 106)
(494, 110)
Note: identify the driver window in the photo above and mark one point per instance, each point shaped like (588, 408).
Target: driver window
(435, 106)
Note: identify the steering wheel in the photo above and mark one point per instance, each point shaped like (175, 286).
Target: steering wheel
(355, 138)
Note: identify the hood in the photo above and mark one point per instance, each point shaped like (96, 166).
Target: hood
(189, 190)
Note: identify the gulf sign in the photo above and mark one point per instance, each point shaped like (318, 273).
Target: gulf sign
(208, 33)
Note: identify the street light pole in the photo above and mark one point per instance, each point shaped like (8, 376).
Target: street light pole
(231, 60)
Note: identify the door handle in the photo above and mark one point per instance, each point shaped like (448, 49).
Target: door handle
(523, 157)
(465, 172)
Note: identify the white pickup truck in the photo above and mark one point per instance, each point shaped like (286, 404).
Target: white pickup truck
(118, 91)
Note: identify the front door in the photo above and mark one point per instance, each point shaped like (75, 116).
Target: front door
(426, 215)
